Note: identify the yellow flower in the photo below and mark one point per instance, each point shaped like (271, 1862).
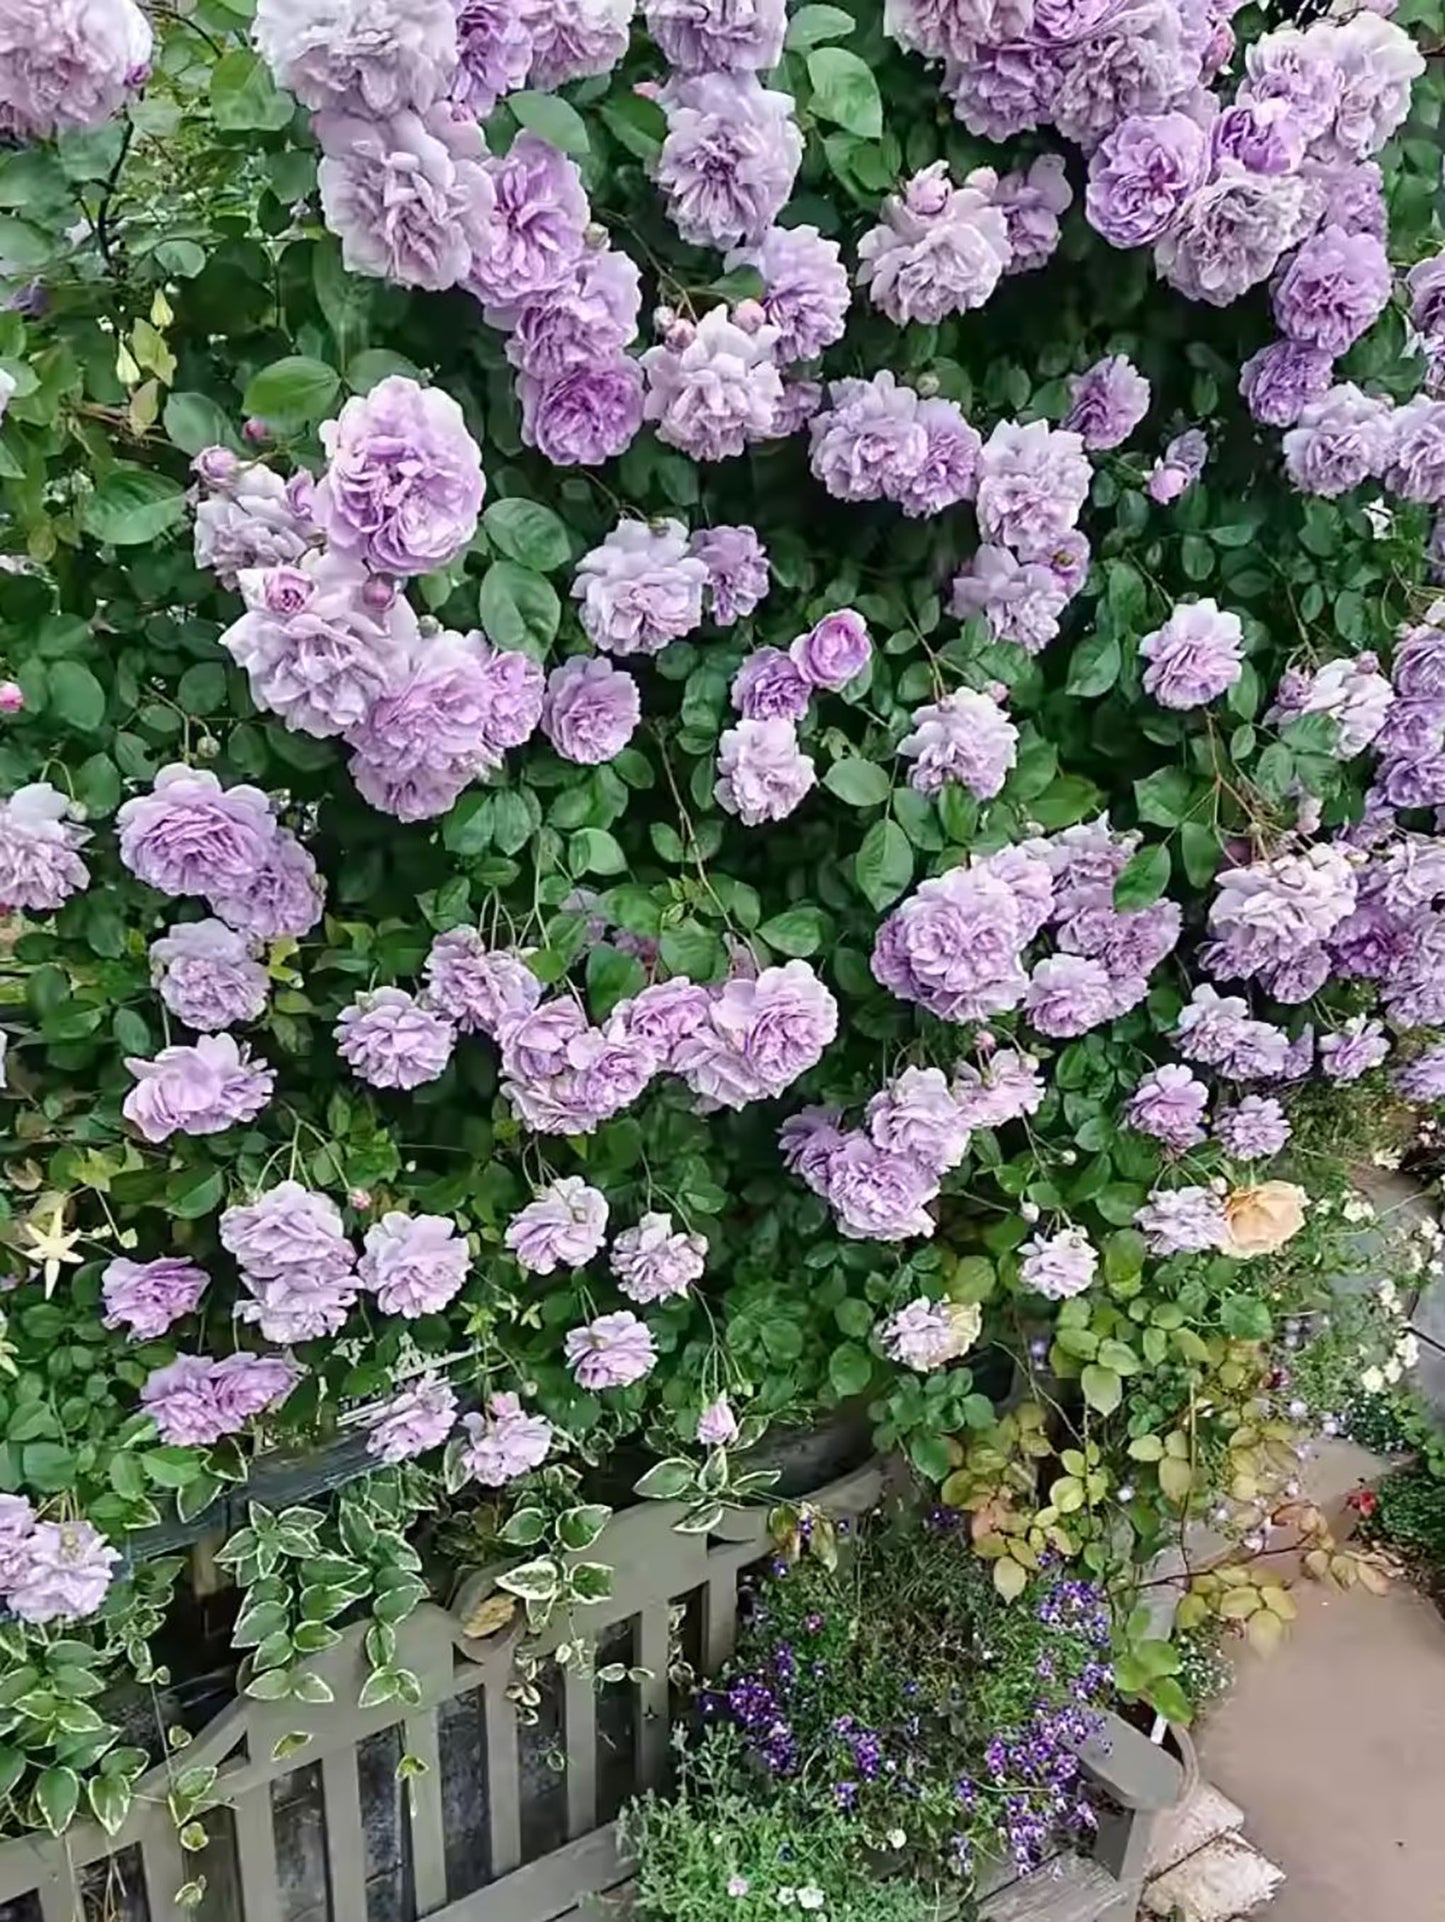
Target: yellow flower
(1258, 1220)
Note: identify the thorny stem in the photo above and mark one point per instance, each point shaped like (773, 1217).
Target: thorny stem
(112, 180)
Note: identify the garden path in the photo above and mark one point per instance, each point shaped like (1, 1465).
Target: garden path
(1335, 1746)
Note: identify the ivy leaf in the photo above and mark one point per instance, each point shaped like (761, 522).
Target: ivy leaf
(845, 91)
(862, 784)
(56, 1794)
(883, 866)
(132, 506)
(528, 533)
(552, 118)
(1144, 878)
(294, 389)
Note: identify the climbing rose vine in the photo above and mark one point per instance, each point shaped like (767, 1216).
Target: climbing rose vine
(706, 710)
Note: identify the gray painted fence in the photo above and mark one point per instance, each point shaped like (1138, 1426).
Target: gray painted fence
(506, 1822)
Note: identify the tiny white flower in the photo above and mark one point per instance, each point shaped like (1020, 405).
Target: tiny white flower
(785, 1898)
(1409, 1350)
(1393, 1371)
(1372, 1381)
(896, 1838)
(810, 1898)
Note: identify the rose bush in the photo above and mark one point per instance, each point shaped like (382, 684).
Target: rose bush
(659, 661)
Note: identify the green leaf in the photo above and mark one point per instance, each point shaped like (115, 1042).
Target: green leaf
(845, 91)
(862, 784)
(194, 421)
(798, 932)
(346, 300)
(1246, 1318)
(810, 26)
(47, 1466)
(551, 117)
(850, 1369)
(467, 827)
(1103, 1388)
(76, 696)
(635, 123)
(1201, 851)
(665, 1481)
(1163, 798)
(194, 1193)
(1197, 556)
(611, 977)
(1065, 801)
(1143, 879)
(132, 506)
(294, 389)
(527, 532)
(692, 950)
(518, 608)
(56, 1794)
(595, 851)
(1095, 665)
(930, 1456)
(244, 97)
(883, 867)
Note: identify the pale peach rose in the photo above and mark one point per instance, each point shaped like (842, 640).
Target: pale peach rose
(1258, 1220)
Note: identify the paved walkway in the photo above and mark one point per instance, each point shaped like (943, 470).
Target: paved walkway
(1334, 1747)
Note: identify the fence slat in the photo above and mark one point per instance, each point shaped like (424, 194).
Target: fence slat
(720, 1616)
(163, 1866)
(256, 1855)
(504, 1793)
(60, 1899)
(345, 1835)
(580, 1737)
(424, 1806)
(652, 1731)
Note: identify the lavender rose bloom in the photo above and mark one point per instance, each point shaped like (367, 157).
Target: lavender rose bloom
(145, 1297)
(1170, 1104)
(1280, 381)
(1108, 402)
(832, 652)
(508, 1443)
(64, 1573)
(494, 45)
(1375, 63)
(1416, 469)
(953, 946)
(653, 1262)
(1033, 482)
(714, 36)
(1032, 203)
(1142, 175)
(376, 56)
(998, 91)
(769, 687)
(805, 289)
(417, 1419)
(285, 896)
(1058, 1266)
(713, 388)
(573, 39)
(1426, 282)
(288, 1229)
(563, 1228)
(1341, 439)
(39, 866)
(587, 416)
(917, 1115)
(408, 197)
(1178, 467)
(475, 987)
(737, 571)
(664, 1015)
(717, 1425)
(869, 444)
(877, 1195)
(730, 157)
(1182, 1221)
(948, 472)
(68, 68)
(1070, 993)
(612, 1352)
(591, 711)
(760, 1036)
(1230, 235)
(939, 249)
(392, 1041)
(413, 1264)
(1254, 1129)
(404, 485)
(1359, 1046)
(1196, 655)
(536, 234)
(965, 737)
(1137, 63)
(1020, 600)
(191, 836)
(583, 320)
(641, 588)
(250, 521)
(762, 773)
(320, 641)
(195, 1400)
(208, 975)
(197, 1090)
(1336, 286)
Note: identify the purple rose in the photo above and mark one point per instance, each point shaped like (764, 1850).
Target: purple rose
(805, 289)
(1033, 482)
(1142, 175)
(1182, 1221)
(1058, 1266)
(869, 443)
(1170, 1104)
(1280, 380)
(39, 866)
(404, 485)
(585, 320)
(208, 975)
(392, 1041)
(418, 1419)
(965, 737)
(1229, 236)
(591, 711)
(477, 988)
(563, 1228)
(63, 1572)
(1178, 468)
(68, 68)
(653, 1262)
(285, 896)
(1253, 1129)
(1108, 402)
(494, 45)
(191, 836)
(769, 687)
(145, 1297)
(702, 36)
(1416, 469)
(573, 39)
(641, 588)
(1196, 655)
(409, 197)
(939, 249)
(762, 773)
(506, 1444)
(1032, 203)
(737, 571)
(1336, 286)
(730, 157)
(198, 1090)
(713, 388)
(917, 1115)
(832, 652)
(760, 1036)
(413, 1264)
(954, 947)
(585, 417)
(611, 1352)
(349, 53)
(1341, 439)
(534, 238)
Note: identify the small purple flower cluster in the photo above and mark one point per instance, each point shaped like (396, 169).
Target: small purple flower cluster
(956, 946)
(762, 772)
(1031, 487)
